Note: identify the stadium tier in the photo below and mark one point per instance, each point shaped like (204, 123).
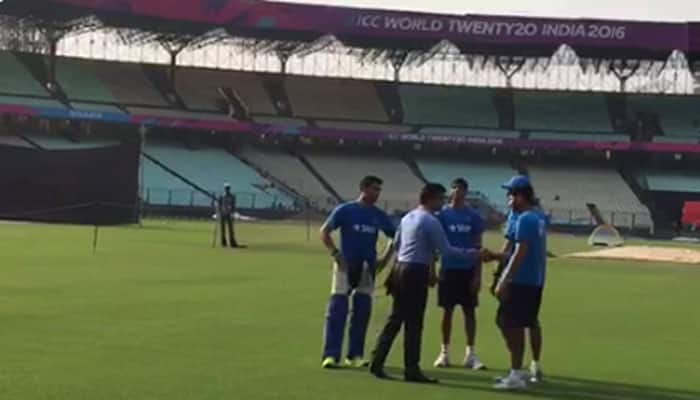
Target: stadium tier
(561, 111)
(284, 121)
(568, 190)
(93, 107)
(334, 99)
(344, 172)
(208, 168)
(30, 101)
(483, 177)
(288, 169)
(679, 116)
(80, 81)
(58, 142)
(182, 114)
(10, 140)
(586, 137)
(473, 132)
(363, 126)
(200, 89)
(15, 79)
(669, 181)
(448, 106)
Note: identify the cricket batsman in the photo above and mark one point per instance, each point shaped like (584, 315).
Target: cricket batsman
(354, 268)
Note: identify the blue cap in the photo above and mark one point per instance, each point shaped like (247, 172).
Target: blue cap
(517, 182)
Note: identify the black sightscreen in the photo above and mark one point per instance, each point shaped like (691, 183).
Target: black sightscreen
(85, 186)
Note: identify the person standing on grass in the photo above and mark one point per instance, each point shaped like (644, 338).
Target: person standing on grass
(354, 269)
(460, 280)
(520, 286)
(534, 332)
(418, 240)
(227, 211)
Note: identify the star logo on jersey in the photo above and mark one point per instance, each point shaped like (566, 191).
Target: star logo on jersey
(453, 228)
(356, 227)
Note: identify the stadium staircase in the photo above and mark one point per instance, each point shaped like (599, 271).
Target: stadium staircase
(320, 177)
(279, 184)
(158, 76)
(391, 100)
(503, 101)
(174, 173)
(274, 85)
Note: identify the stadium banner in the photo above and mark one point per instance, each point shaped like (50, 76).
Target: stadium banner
(243, 127)
(477, 29)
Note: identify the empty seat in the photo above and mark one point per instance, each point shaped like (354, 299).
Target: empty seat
(483, 177)
(678, 115)
(344, 172)
(561, 111)
(15, 79)
(444, 105)
(334, 99)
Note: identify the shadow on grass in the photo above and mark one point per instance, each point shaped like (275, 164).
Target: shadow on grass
(561, 387)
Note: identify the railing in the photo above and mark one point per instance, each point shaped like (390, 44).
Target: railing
(582, 217)
(193, 198)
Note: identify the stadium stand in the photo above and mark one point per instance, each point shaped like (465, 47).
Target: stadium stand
(471, 132)
(127, 83)
(587, 137)
(58, 142)
(669, 181)
(451, 106)
(80, 82)
(210, 168)
(561, 111)
(679, 116)
(182, 114)
(288, 169)
(344, 172)
(285, 121)
(15, 79)
(334, 99)
(9, 140)
(566, 191)
(363, 126)
(199, 89)
(483, 177)
(106, 108)
(31, 102)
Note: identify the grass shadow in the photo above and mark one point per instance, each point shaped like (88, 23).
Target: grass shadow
(561, 387)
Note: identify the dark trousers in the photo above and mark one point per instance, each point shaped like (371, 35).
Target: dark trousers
(408, 286)
(227, 225)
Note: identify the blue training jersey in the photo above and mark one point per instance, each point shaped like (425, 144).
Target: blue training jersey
(511, 220)
(359, 228)
(464, 228)
(531, 229)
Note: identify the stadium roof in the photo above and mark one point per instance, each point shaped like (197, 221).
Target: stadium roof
(484, 34)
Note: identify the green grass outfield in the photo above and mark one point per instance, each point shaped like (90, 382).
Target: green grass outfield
(158, 314)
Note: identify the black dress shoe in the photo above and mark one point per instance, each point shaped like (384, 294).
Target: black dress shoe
(379, 373)
(418, 377)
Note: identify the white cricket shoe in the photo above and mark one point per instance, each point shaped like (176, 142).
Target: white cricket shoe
(472, 362)
(442, 361)
(514, 381)
(536, 374)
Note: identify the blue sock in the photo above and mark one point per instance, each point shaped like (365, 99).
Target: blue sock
(336, 316)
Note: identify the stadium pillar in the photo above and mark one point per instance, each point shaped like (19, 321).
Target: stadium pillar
(623, 70)
(398, 59)
(510, 66)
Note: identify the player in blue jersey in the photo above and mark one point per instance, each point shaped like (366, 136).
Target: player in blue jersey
(354, 270)
(520, 285)
(535, 332)
(460, 279)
